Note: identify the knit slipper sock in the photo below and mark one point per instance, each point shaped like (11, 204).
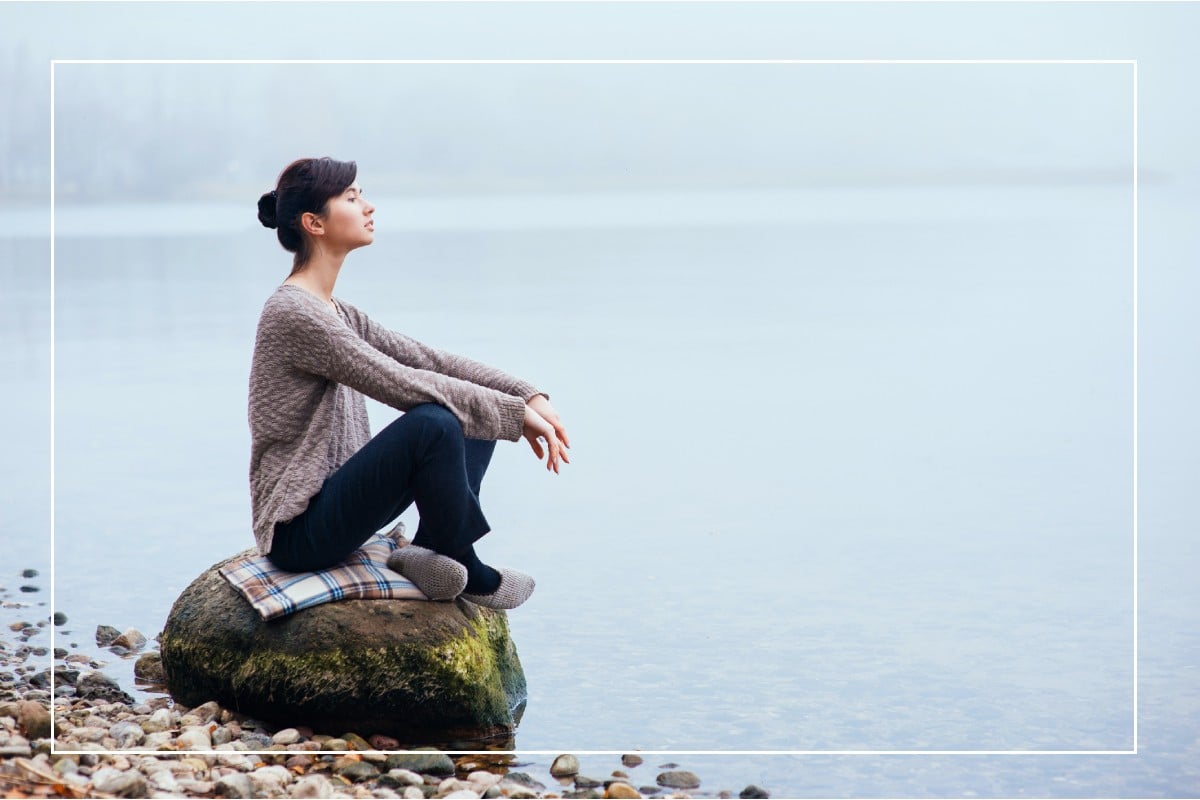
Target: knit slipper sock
(481, 579)
(438, 577)
(514, 589)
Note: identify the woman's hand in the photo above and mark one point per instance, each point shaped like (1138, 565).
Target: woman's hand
(542, 406)
(536, 429)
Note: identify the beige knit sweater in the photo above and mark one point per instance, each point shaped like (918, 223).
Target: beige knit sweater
(310, 370)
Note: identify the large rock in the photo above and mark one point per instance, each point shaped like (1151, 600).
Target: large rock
(410, 669)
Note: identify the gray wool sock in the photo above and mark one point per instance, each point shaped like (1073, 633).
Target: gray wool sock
(438, 577)
(515, 588)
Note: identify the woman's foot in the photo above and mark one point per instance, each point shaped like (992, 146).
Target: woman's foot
(514, 589)
(438, 577)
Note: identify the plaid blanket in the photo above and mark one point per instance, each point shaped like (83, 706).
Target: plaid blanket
(363, 575)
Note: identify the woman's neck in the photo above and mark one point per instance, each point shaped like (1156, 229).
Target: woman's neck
(317, 277)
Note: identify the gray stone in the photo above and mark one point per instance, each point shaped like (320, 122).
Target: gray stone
(159, 740)
(430, 763)
(195, 738)
(236, 784)
(358, 771)
(524, 779)
(584, 782)
(311, 786)
(565, 766)
(34, 719)
(132, 639)
(98, 686)
(286, 736)
(128, 734)
(271, 779)
(754, 792)
(132, 783)
(679, 779)
(402, 777)
(106, 635)
(410, 669)
(160, 720)
(148, 668)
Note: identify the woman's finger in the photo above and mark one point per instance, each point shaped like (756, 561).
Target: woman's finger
(536, 445)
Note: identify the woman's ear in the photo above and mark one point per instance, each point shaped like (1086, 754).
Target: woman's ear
(312, 223)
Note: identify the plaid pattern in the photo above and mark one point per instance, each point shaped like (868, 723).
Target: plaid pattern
(362, 576)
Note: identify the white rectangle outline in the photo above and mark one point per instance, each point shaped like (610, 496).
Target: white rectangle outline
(1133, 62)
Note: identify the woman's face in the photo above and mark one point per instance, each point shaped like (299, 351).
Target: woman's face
(348, 220)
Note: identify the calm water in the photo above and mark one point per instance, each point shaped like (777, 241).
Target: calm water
(852, 470)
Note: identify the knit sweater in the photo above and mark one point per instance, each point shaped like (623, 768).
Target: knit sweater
(310, 370)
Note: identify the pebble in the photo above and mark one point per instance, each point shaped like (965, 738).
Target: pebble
(271, 778)
(380, 742)
(106, 635)
(286, 736)
(160, 720)
(195, 738)
(128, 734)
(313, 786)
(109, 780)
(431, 763)
(356, 742)
(631, 760)
(620, 790)
(755, 792)
(233, 785)
(565, 766)
(132, 639)
(678, 779)
(359, 771)
(33, 718)
(149, 668)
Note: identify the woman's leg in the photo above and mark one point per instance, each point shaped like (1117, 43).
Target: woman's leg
(421, 457)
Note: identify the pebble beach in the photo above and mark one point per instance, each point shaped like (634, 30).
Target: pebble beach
(107, 742)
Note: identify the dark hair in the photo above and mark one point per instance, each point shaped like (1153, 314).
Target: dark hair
(304, 185)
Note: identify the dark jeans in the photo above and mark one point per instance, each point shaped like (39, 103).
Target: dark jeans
(421, 457)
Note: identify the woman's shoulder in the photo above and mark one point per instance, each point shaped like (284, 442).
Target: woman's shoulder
(291, 303)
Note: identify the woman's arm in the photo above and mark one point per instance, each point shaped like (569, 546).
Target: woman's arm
(413, 353)
(310, 339)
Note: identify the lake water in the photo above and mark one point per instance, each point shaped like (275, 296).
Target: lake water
(852, 469)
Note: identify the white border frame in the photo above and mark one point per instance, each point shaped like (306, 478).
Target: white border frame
(181, 753)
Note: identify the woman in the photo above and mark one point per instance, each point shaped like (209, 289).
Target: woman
(320, 486)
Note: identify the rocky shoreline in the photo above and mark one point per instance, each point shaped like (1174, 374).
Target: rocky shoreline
(209, 751)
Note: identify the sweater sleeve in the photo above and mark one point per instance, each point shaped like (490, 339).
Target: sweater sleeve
(317, 343)
(412, 353)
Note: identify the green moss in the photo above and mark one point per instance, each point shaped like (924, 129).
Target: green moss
(465, 680)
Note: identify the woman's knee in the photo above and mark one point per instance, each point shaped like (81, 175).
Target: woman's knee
(435, 418)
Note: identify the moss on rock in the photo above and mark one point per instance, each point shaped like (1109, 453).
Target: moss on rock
(410, 669)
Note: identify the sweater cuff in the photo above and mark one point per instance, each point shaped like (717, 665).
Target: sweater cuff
(512, 417)
(527, 391)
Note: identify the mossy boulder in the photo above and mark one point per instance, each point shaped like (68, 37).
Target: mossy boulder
(409, 669)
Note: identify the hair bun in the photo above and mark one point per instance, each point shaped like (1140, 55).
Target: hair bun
(266, 210)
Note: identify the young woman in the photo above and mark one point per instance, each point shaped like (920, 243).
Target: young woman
(320, 485)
